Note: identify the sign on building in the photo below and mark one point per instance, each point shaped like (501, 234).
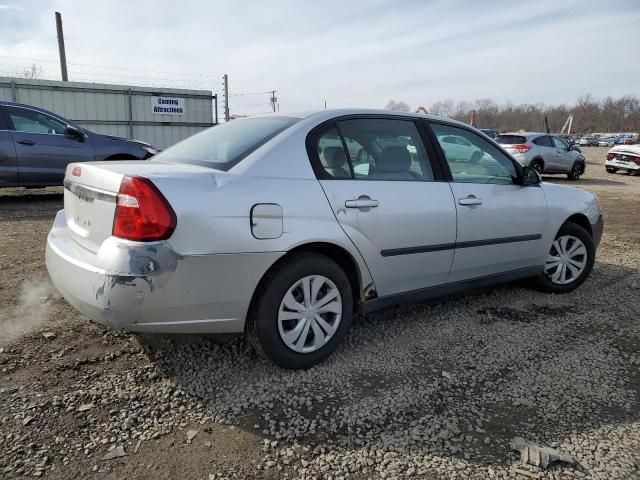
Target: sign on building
(167, 106)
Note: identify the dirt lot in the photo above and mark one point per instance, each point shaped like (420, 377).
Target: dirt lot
(421, 391)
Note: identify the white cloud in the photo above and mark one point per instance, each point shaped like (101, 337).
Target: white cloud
(359, 53)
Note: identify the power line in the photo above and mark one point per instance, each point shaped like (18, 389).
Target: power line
(90, 65)
(249, 93)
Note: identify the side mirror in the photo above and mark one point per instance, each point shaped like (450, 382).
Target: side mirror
(74, 132)
(530, 176)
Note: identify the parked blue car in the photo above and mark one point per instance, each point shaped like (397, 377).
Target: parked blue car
(36, 146)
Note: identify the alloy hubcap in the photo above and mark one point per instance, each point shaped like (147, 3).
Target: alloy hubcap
(309, 314)
(566, 261)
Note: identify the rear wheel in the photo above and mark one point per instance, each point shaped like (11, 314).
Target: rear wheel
(575, 172)
(537, 165)
(611, 169)
(302, 312)
(569, 261)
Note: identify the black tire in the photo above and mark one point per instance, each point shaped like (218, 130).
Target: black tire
(611, 170)
(575, 172)
(262, 322)
(537, 165)
(544, 283)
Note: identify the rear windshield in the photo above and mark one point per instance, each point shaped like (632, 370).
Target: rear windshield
(223, 146)
(510, 139)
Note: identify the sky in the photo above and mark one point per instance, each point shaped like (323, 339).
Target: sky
(347, 53)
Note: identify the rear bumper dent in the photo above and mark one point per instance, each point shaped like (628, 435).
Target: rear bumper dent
(148, 287)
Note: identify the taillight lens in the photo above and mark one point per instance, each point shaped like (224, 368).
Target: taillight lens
(610, 156)
(142, 212)
(637, 160)
(521, 148)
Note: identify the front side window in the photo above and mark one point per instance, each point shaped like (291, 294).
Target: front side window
(559, 143)
(471, 158)
(374, 149)
(31, 121)
(223, 146)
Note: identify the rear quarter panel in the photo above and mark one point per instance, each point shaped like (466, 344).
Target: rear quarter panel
(214, 215)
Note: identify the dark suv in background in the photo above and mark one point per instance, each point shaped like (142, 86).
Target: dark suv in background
(36, 146)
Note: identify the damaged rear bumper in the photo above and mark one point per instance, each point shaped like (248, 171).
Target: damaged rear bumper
(149, 287)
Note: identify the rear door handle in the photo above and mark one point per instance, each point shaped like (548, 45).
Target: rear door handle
(361, 202)
(470, 200)
(26, 142)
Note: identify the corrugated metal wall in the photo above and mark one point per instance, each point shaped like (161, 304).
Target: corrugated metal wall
(104, 108)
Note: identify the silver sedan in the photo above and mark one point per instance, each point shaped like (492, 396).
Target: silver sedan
(283, 227)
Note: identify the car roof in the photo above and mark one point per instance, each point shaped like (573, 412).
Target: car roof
(340, 112)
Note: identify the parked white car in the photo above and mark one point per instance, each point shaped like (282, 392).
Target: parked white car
(625, 158)
(262, 225)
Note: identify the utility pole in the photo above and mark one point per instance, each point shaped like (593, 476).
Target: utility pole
(273, 100)
(63, 55)
(225, 80)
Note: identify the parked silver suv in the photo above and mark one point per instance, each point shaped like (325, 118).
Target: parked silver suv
(544, 153)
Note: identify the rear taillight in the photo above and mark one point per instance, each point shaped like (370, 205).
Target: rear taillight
(521, 148)
(637, 160)
(610, 156)
(142, 212)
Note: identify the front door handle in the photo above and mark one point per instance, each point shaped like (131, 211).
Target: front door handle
(26, 142)
(361, 202)
(470, 200)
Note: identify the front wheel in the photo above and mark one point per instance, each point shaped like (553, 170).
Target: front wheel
(302, 312)
(569, 261)
(575, 172)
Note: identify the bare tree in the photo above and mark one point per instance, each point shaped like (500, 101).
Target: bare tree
(400, 106)
(32, 72)
(590, 115)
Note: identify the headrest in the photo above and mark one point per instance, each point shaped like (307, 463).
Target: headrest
(334, 157)
(393, 160)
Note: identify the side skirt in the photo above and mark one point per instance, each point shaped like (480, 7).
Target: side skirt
(447, 289)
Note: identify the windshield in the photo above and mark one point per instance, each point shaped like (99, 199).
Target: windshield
(223, 146)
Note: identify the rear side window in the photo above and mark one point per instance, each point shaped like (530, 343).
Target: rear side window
(373, 149)
(510, 139)
(223, 146)
(544, 141)
(332, 155)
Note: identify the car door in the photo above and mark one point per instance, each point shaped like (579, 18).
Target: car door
(564, 159)
(43, 151)
(500, 223)
(8, 160)
(391, 206)
(547, 151)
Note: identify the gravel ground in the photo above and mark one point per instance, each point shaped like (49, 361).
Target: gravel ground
(421, 391)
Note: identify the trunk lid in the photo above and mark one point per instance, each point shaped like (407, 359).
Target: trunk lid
(91, 191)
